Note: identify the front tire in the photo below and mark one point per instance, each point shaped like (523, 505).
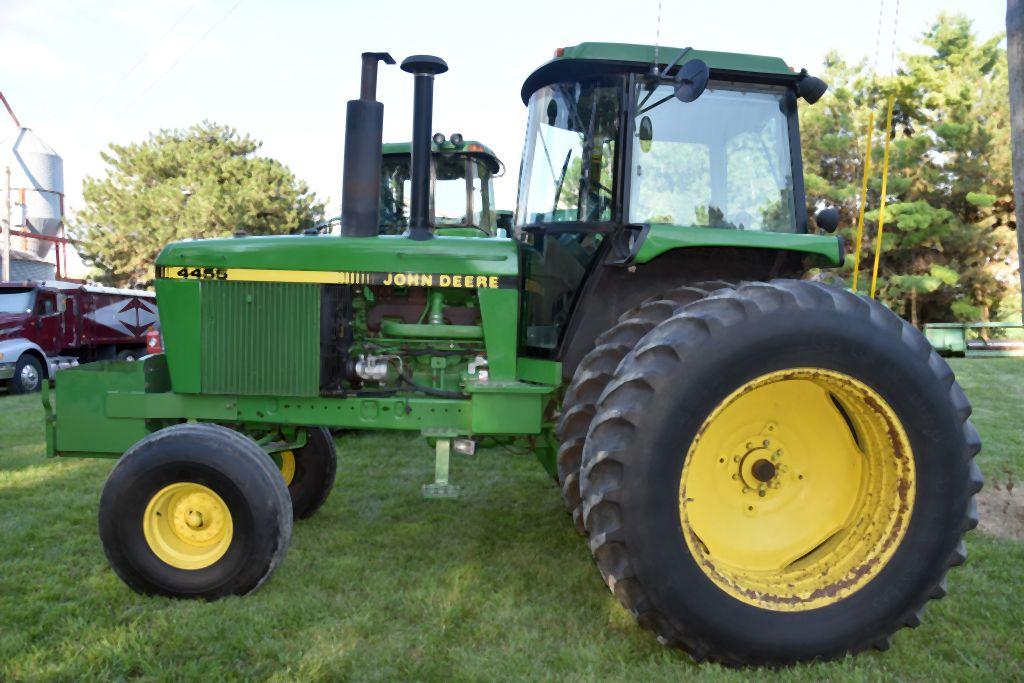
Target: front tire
(196, 511)
(28, 375)
(309, 472)
(780, 473)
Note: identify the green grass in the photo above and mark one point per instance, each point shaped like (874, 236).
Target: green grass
(384, 585)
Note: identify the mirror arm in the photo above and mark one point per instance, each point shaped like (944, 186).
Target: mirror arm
(659, 74)
(659, 102)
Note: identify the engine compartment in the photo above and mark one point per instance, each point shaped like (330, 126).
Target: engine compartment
(382, 340)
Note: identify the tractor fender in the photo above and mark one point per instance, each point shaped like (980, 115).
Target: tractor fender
(656, 239)
(615, 285)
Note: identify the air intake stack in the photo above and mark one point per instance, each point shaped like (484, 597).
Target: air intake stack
(423, 68)
(364, 130)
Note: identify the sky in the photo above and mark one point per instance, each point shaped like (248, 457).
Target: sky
(85, 73)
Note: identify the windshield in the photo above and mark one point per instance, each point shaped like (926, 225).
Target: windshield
(569, 123)
(720, 161)
(461, 193)
(16, 302)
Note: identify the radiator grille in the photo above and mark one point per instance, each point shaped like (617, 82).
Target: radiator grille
(261, 338)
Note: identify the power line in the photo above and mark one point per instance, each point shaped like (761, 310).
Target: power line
(149, 52)
(176, 61)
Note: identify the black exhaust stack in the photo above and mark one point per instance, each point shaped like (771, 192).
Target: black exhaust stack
(364, 131)
(423, 68)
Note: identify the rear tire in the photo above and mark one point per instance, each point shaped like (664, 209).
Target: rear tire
(596, 370)
(196, 511)
(130, 354)
(309, 472)
(667, 404)
(28, 375)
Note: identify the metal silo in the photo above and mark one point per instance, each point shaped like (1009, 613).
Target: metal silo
(37, 180)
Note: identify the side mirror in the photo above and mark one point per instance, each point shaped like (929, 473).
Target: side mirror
(552, 113)
(645, 131)
(811, 88)
(691, 80)
(827, 220)
(503, 220)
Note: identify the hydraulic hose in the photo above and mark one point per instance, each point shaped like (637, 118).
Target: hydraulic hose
(431, 391)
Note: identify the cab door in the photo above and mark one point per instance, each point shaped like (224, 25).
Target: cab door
(48, 331)
(67, 306)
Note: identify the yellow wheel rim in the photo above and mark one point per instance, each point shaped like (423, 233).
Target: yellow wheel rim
(187, 525)
(797, 489)
(287, 465)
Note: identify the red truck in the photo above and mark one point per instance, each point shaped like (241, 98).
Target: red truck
(46, 326)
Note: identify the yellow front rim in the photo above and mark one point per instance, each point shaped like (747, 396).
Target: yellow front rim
(187, 525)
(797, 489)
(287, 465)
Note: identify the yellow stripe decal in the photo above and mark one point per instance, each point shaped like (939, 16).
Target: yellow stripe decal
(331, 277)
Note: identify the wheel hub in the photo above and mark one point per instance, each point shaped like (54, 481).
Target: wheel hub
(759, 463)
(29, 377)
(763, 470)
(188, 525)
(797, 489)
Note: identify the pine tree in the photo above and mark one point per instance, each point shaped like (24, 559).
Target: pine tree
(948, 251)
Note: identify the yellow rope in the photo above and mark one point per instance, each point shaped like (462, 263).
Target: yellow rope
(881, 204)
(869, 137)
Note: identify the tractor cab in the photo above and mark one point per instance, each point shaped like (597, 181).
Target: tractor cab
(626, 145)
(461, 187)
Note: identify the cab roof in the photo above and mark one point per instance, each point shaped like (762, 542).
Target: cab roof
(471, 147)
(595, 57)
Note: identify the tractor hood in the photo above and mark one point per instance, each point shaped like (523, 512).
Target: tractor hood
(270, 258)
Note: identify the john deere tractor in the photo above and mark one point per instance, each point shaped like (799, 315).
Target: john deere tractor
(462, 199)
(768, 469)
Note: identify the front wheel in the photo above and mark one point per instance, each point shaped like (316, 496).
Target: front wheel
(308, 472)
(28, 375)
(780, 473)
(195, 510)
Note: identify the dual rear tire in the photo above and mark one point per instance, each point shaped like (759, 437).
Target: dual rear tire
(777, 473)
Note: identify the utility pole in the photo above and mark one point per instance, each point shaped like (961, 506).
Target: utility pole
(1015, 58)
(7, 230)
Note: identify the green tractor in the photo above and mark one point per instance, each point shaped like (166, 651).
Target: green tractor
(462, 199)
(768, 469)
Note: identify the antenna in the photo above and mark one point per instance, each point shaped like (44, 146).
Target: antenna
(657, 36)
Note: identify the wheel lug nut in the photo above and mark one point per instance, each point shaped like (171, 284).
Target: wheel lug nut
(761, 493)
(766, 443)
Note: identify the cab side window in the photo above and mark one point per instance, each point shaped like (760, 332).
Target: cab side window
(46, 304)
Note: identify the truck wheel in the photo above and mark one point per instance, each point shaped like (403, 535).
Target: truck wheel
(780, 473)
(28, 375)
(129, 354)
(195, 510)
(308, 472)
(593, 374)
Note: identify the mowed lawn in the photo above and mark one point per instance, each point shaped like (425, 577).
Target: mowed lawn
(382, 585)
